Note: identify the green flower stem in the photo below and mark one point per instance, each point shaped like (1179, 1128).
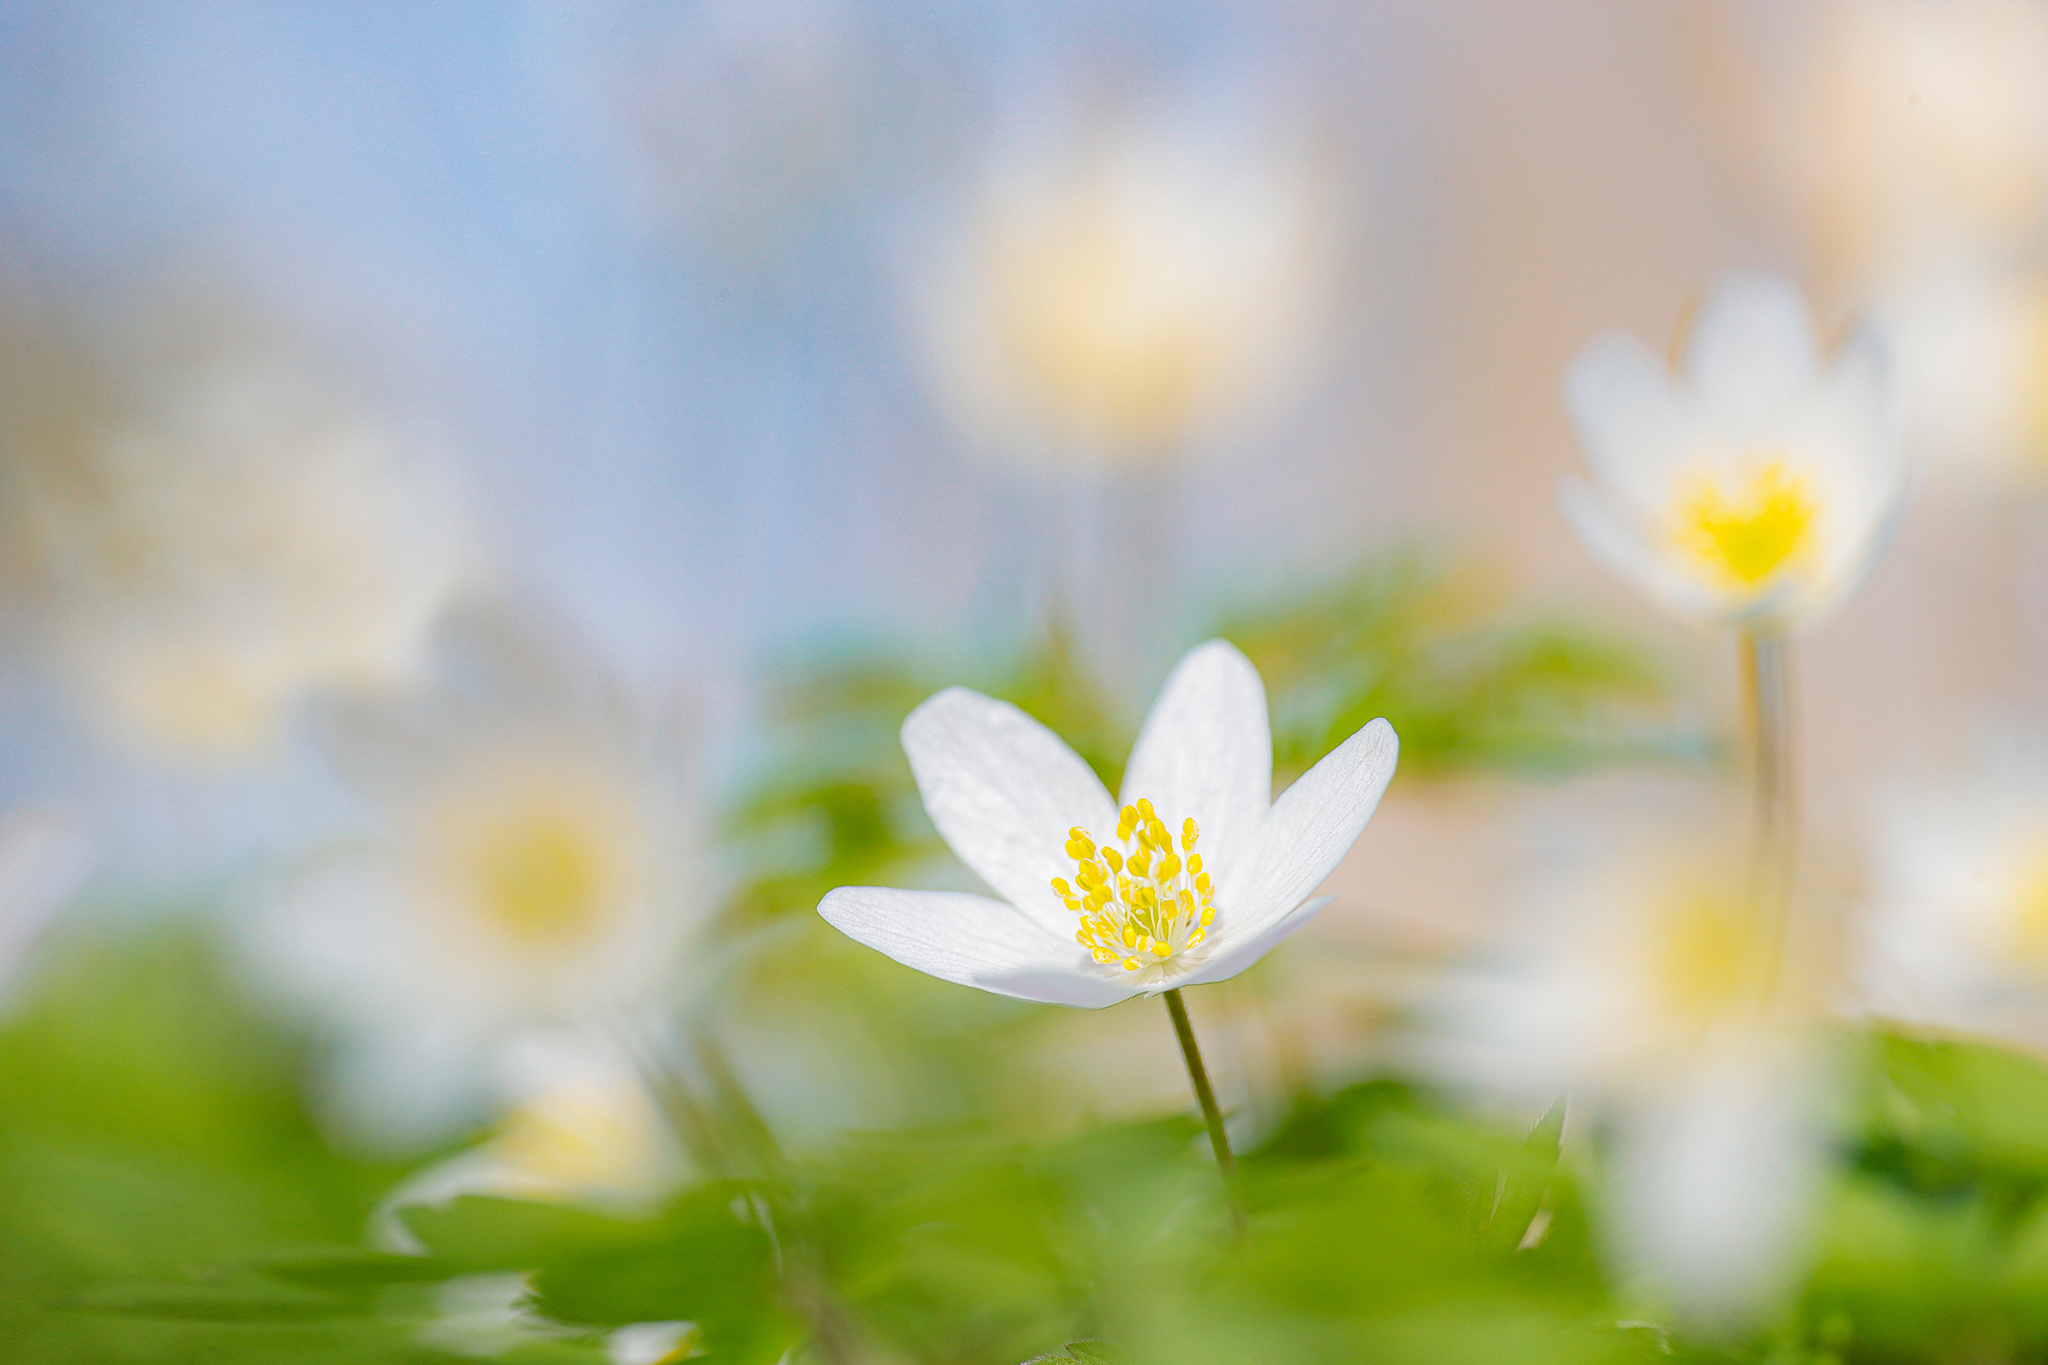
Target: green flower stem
(1219, 1140)
(1767, 706)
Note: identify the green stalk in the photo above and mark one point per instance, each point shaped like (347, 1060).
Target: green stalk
(1219, 1140)
(1767, 706)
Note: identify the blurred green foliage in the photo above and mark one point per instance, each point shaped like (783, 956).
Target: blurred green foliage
(163, 1198)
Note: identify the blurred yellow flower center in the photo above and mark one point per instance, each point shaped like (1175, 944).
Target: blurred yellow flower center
(2028, 926)
(541, 878)
(1140, 901)
(1088, 325)
(1711, 957)
(1748, 532)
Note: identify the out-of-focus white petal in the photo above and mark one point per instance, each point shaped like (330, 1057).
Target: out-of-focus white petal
(1307, 832)
(1714, 1189)
(970, 940)
(1003, 791)
(648, 1343)
(1236, 956)
(1620, 400)
(1206, 751)
(1752, 352)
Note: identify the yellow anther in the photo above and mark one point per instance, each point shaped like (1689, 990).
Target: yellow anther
(1130, 964)
(1195, 937)
(1169, 868)
(1080, 848)
(1188, 834)
(1208, 916)
(1130, 937)
(1194, 864)
(1061, 889)
(1163, 949)
(1140, 863)
(1145, 809)
(1126, 821)
(1084, 938)
(1203, 883)
(1089, 875)
(1114, 859)
(1186, 901)
(1097, 898)
(1104, 956)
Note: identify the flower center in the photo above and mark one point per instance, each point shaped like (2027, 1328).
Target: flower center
(1140, 902)
(1747, 533)
(1709, 958)
(540, 878)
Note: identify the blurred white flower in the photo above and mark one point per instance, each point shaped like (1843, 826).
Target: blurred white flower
(485, 1315)
(536, 866)
(1956, 934)
(1924, 132)
(201, 567)
(1087, 924)
(1656, 997)
(581, 1125)
(652, 1343)
(1756, 486)
(1138, 295)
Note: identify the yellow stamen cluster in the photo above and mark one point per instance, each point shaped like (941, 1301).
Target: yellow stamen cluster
(1745, 538)
(1144, 900)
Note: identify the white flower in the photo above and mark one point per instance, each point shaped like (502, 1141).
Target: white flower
(581, 1126)
(485, 1315)
(1150, 288)
(1200, 871)
(1956, 935)
(535, 866)
(652, 1343)
(1654, 996)
(1756, 486)
(203, 566)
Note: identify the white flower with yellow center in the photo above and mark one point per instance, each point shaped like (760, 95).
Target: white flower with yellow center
(534, 868)
(1192, 877)
(1655, 998)
(242, 542)
(1148, 289)
(1753, 488)
(1956, 936)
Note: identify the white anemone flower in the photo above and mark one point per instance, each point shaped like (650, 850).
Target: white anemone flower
(1655, 997)
(581, 1126)
(1757, 485)
(1956, 935)
(1150, 289)
(1202, 872)
(534, 867)
(243, 542)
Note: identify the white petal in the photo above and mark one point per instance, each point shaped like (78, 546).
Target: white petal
(1206, 750)
(1308, 830)
(1713, 1190)
(1620, 400)
(1618, 543)
(1752, 352)
(1003, 791)
(973, 941)
(1236, 957)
